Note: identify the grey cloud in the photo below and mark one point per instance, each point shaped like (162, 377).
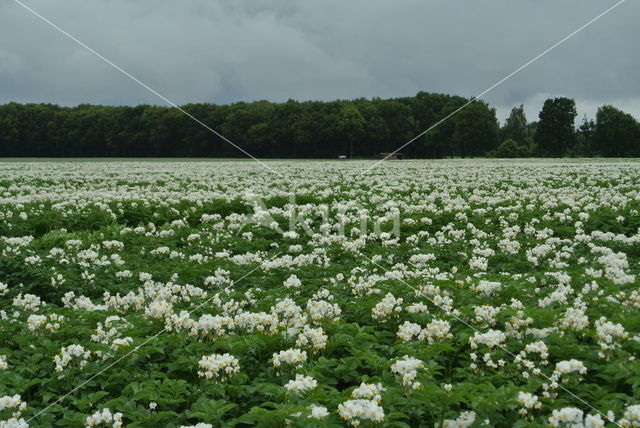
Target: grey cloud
(226, 51)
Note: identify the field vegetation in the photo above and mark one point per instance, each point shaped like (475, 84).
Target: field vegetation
(439, 294)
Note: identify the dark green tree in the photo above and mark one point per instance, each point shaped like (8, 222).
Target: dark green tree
(375, 129)
(555, 134)
(586, 132)
(400, 122)
(476, 130)
(439, 140)
(350, 125)
(510, 149)
(617, 133)
(312, 129)
(10, 126)
(516, 127)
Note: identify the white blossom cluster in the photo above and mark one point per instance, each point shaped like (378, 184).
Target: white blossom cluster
(218, 366)
(486, 314)
(574, 319)
(320, 310)
(71, 354)
(631, 417)
(387, 307)
(357, 411)
(292, 281)
(570, 366)
(16, 406)
(571, 417)
(436, 331)
(301, 383)
(524, 358)
(464, 420)
(317, 412)
(407, 368)
(50, 322)
(491, 338)
(370, 391)
(110, 333)
(292, 357)
(315, 338)
(409, 331)
(609, 335)
(104, 416)
(528, 402)
(28, 302)
(487, 288)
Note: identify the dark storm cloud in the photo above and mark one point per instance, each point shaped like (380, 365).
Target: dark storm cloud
(226, 51)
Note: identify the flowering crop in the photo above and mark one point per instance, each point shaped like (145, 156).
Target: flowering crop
(218, 366)
(197, 294)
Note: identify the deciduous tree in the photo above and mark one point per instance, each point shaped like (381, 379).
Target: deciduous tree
(555, 135)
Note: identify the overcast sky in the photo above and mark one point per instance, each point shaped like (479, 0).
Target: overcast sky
(235, 50)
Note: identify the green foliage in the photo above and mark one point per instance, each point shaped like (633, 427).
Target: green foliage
(510, 149)
(517, 128)
(310, 129)
(291, 129)
(351, 125)
(617, 134)
(475, 130)
(492, 206)
(555, 134)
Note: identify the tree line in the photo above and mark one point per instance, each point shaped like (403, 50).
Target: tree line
(314, 129)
